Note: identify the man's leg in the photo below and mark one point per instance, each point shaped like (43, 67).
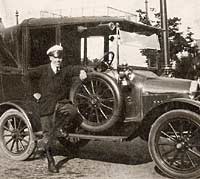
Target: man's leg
(66, 115)
(47, 127)
(67, 118)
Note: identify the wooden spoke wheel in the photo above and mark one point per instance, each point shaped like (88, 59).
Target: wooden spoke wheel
(174, 143)
(98, 101)
(16, 135)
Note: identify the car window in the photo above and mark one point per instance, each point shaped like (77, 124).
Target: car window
(136, 49)
(8, 57)
(95, 49)
(70, 40)
(40, 40)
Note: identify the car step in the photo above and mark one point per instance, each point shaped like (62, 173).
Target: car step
(98, 138)
(91, 137)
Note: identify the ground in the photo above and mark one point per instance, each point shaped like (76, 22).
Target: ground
(97, 160)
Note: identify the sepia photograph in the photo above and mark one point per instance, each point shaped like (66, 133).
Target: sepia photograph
(104, 89)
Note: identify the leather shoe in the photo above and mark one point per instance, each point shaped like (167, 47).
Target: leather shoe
(51, 162)
(52, 168)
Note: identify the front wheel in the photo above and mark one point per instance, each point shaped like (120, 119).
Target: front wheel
(16, 135)
(174, 142)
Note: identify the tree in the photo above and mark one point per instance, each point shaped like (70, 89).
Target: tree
(186, 65)
(143, 17)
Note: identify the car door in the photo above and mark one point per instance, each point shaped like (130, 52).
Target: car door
(12, 85)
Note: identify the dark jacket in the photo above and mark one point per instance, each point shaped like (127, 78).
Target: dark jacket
(53, 87)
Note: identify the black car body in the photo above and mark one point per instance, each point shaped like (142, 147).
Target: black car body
(121, 99)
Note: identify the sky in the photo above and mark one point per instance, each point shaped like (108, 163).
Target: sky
(188, 11)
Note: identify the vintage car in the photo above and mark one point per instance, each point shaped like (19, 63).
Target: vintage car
(122, 98)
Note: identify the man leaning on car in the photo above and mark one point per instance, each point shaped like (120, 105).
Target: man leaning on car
(54, 84)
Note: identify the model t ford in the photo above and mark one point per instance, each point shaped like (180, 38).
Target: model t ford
(121, 99)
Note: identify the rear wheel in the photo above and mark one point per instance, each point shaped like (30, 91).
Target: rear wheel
(174, 143)
(16, 135)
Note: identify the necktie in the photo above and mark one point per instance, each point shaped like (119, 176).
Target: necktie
(57, 69)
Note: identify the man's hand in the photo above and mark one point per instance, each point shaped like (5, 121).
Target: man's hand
(82, 75)
(37, 96)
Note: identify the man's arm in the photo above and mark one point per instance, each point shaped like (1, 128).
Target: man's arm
(78, 71)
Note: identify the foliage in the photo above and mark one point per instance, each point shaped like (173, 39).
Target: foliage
(186, 66)
(152, 55)
(142, 17)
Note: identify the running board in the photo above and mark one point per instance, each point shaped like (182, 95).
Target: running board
(99, 138)
(92, 137)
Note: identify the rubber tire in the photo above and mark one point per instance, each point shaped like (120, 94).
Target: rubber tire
(186, 114)
(31, 146)
(117, 100)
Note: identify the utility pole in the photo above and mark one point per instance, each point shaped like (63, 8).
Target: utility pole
(1, 24)
(146, 10)
(165, 36)
(17, 17)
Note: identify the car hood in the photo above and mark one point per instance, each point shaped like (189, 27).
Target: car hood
(167, 85)
(149, 82)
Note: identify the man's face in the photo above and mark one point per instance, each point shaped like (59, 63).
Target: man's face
(56, 61)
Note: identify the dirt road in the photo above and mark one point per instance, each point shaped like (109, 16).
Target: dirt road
(97, 160)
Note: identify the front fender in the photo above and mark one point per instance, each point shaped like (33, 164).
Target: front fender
(28, 108)
(176, 103)
(186, 101)
(171, 104)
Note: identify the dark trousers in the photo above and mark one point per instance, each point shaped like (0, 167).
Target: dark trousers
(65, 114)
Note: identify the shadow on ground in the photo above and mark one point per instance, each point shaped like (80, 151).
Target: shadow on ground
(129, 153)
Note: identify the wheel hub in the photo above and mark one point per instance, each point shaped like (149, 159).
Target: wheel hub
(180, 145)
(15, 134)
(94, 101)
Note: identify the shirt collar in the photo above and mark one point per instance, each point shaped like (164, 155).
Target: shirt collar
(54, 68)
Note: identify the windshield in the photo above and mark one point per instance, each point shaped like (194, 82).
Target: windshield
(135, 49)
(129, 47)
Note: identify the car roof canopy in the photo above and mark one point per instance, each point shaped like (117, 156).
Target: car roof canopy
(91, 21)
